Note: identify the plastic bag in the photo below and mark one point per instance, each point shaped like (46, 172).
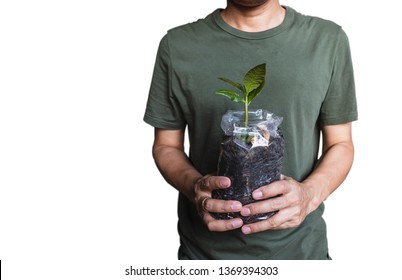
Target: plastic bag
(250, 156)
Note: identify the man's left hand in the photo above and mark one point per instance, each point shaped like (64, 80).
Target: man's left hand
(292, 199)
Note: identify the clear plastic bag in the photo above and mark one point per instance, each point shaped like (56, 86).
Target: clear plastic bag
(250, 156)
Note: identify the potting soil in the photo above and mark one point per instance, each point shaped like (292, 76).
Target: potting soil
(248, 169)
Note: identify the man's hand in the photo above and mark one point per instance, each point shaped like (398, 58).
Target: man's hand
(176, 168)
(296, 200)
(293, 202)
(203, 188)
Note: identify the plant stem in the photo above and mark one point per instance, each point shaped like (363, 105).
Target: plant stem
(246, 112)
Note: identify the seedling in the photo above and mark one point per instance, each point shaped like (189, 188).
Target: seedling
(254, 82)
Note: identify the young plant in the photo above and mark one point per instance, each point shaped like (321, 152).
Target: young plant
(254, 82)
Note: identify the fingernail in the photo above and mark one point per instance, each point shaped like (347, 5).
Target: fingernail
(257, 194)
(245, 212)
(246, 230)
(236, 207)
(225, 183)
(237, 223)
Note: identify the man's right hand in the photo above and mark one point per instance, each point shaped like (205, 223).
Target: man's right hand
(204, 202)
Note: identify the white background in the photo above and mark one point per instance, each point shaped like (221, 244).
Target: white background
(80, 197)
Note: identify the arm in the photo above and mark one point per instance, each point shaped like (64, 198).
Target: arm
(298, 199)
(173, 163)
(176, 168)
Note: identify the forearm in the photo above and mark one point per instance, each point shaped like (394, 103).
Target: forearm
(176, 168)
(330, 172)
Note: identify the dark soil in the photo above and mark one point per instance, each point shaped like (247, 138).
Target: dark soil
(248, 169)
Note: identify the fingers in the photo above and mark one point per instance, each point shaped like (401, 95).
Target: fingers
(278, 221)
(203, 189)
(221, 206)
(221, 225)
(206, 204)
(274, 189)
(209, 183)
(215, 205)
(287, 197)
(270, 205)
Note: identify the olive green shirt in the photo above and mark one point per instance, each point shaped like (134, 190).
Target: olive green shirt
(309, 82)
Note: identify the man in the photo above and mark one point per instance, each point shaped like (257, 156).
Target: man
(309, 83)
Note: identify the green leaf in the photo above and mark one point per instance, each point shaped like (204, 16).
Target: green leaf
(255, 92)
(236, 85)
(231, 95)
(255, 78)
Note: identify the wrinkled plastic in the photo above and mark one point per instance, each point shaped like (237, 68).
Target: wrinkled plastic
(250, 156)
(233, 121)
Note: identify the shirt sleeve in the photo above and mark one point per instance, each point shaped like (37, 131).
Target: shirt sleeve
(162, 109)
(340, 104)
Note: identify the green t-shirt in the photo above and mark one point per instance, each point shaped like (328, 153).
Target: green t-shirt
(309, 83)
